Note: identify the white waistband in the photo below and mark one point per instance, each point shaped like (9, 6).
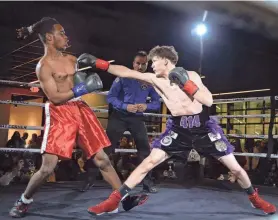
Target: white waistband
(75, 99)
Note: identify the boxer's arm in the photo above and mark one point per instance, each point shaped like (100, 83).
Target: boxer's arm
(125, 72)
(117, 70)
(49, 86)
(203, 95)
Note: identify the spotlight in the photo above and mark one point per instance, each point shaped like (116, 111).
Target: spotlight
(201, 29)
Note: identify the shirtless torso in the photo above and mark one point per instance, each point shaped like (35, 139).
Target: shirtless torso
(178, 102)
(56, 75)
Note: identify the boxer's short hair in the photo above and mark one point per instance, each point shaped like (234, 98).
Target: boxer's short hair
(44, 26)
(167, 52)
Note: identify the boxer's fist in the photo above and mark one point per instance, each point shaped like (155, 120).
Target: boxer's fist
(180, 77)
(84, 84)
(85, 60)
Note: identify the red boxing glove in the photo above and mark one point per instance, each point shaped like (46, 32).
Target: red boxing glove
(86, 60)
(180, 77)
(190, 87)
(102, 64)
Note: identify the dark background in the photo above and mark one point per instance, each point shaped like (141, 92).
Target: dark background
(239, 54)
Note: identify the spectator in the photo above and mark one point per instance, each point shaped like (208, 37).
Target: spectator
(24, 137)
(253, 162)
(15, 141)
(33, 143)
(14, 170)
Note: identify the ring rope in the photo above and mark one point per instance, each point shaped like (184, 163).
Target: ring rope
(216, 101)
(265, 98)
(21, 127)
(245, 116)
(8, 82)
(118, 150)
(145, 114)
(24, 127)
(98, 110)
(252, 136)
(235, 153)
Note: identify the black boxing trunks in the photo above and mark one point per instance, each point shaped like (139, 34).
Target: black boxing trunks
(199, 132)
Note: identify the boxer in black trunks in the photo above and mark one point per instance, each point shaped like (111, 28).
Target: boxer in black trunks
(189, 127)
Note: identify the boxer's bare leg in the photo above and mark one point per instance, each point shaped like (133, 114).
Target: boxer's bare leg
(156, 157)
(231, 163)
(108, 172)
(49, 163)
(244, 181)
(110, 205)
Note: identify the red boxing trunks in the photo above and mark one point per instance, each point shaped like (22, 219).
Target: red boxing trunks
(69, 124)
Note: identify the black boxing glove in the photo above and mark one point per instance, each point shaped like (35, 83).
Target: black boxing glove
(79, 77)
(180, 76)
(86, 59)
(84, 84)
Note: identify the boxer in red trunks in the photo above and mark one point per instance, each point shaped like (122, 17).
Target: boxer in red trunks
(68, 118)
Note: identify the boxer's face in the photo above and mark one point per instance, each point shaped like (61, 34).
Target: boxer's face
(159, 66)
(140, 63)
(58, 38)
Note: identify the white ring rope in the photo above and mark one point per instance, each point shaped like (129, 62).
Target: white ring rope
(215, 101)
(21, 127)
(24, 127)
(235, 153)
(244, 116)
(118, 150)
(145, 114)
(7, 82)
(218, 101)
(93, 109)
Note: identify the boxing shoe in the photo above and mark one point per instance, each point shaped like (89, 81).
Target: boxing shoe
(20, 208)
(258, 203)
(108, 206)
(134, 200)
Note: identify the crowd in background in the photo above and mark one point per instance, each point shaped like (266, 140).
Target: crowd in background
(20, 142)
(20, 166)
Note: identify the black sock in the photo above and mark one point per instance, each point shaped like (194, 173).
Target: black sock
(250, 190)
(124, 190)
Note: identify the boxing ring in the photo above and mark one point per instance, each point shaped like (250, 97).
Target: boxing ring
(60, 200)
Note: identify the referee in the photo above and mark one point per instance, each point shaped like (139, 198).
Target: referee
(128, 100)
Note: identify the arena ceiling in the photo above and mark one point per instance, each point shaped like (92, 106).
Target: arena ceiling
(240, 49)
